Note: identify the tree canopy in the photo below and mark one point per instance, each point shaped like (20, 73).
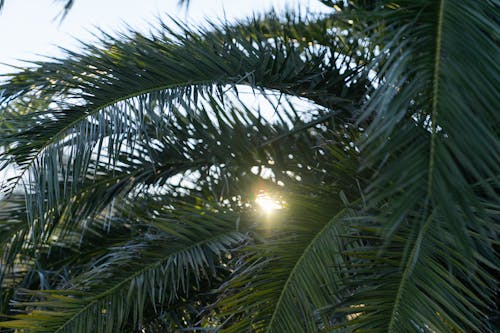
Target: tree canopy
(292, 172)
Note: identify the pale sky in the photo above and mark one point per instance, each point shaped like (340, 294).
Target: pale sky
(29, 29)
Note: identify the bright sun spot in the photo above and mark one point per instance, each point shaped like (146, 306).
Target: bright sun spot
(266, 203)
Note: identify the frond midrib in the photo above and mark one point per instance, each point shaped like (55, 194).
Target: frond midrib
(54, 138)
(435, 95)
(409, 266)
(298, 263)
(434, 115)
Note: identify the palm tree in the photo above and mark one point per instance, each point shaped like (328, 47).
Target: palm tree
(372, 139)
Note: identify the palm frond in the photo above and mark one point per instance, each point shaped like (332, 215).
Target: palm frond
(420, 275)
(151, 271)
(299, 261)
(95, 114)
(426, 83)
(182, 145)
(299, 276)
(431, 116)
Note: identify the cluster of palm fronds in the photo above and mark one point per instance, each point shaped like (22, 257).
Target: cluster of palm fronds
(140, 164)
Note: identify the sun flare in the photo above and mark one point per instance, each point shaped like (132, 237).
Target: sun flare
(266, 203)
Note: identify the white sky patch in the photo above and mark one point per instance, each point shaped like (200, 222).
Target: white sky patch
(29, 28)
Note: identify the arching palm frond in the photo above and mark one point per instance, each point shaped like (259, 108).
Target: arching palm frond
(100, 146)
(12, 234)
(152, 270)
(300, 275)
(294, 270)
(434, 135)
(103, 99)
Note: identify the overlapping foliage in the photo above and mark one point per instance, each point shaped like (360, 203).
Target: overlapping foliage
(372, 129)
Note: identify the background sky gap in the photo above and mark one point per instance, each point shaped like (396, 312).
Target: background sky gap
(30, 29)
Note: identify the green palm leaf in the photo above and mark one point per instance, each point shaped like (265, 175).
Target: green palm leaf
(95, 114)
(150, 271)
(300, 263)
(427, 129)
